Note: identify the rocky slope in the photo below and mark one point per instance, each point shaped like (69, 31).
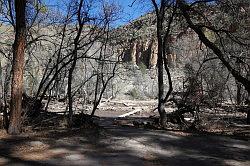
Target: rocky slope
(140, 43)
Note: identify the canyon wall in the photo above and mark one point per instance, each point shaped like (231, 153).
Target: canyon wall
(145, 52)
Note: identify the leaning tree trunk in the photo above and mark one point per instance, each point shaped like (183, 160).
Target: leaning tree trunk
(245, 81)
(198, 30)
(17, 68)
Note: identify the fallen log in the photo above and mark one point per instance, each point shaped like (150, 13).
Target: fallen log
(103, 103)
(130, 113)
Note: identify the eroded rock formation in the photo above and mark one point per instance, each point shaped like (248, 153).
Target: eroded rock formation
(142, 52)
(145, 52)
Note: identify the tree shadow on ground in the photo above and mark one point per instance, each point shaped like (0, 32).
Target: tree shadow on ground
(117, 145)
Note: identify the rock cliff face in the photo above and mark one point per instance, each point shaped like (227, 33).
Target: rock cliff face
(145, 52)
(142, 52)
(138, 42)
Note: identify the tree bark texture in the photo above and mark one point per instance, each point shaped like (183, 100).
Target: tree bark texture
(17, 68)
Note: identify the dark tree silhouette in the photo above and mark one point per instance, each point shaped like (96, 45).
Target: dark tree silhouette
(186, 9)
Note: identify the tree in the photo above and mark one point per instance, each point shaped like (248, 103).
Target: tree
(17, 68)
(219, 50)
(163, 51)
(106, 67)
(81, 21)
(81, 31)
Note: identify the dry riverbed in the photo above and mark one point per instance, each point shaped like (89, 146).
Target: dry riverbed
(117, 144)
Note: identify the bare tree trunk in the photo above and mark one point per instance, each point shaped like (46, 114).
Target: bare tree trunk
(238, 93)
(95, 104)
(248, 101)
(72, 68)
(238, 84)
(163, 49)
(70, 97)
(17, 68)
(161, 102)
(248, 116)
(198, 30)
(101, 82)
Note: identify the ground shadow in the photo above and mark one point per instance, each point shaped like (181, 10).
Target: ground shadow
(122, 145)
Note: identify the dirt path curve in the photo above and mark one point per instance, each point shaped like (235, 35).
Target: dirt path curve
(124, 146)
(151, 147)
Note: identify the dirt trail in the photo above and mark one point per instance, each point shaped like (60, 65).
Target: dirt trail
(116, 144)
(125, 146)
